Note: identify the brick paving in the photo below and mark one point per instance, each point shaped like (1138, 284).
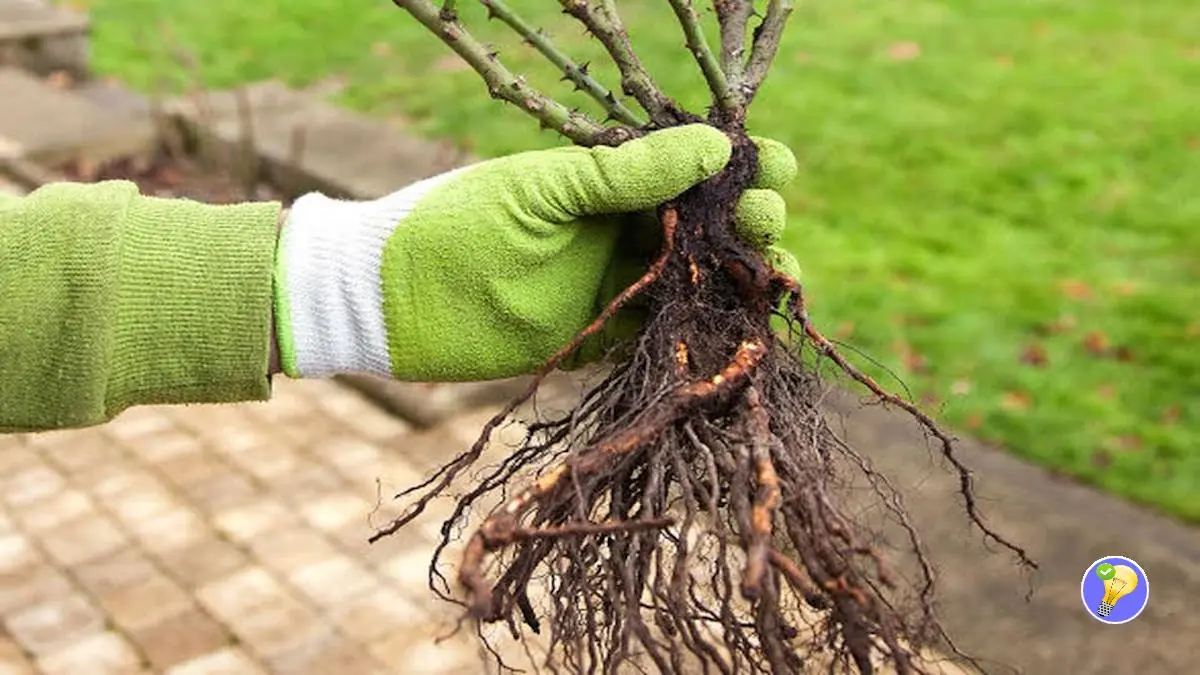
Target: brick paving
(198, 540)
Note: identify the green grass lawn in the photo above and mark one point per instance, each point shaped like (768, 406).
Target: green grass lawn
(999, 200)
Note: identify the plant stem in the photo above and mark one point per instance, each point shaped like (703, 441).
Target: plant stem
(574, 72)
(602, 21)
(765, 44)
(698, 46)
(733, 17)
(501, 82)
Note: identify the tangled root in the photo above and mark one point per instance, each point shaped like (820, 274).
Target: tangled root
(687, 512)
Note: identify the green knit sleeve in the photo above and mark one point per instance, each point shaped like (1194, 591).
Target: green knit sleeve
(109, 299)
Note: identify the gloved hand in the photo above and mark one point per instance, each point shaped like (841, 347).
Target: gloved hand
(486, 271)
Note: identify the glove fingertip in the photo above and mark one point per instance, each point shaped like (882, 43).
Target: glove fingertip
(760, 216)
(783, 262)
(777, 164)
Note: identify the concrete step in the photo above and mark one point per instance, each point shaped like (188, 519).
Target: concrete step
(37, 35)
(52, 126)
(306, 143)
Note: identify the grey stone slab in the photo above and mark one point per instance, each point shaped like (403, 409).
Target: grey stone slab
(40, 36)
(112, 96)
(50, 125)
(31, 19)
(1066, 527)
(308, 144)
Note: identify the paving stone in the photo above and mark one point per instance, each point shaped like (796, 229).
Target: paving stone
(334, 655)
(244, 523)
(194, 469)
(336, 511)
(17, 551)
(31, 484)
(418, 654)
(171, 530)
(267, 460)
(115, 573)
(286, 551)
(41, 36)
(307, 482)
(12, 659)
(376, 615)
(31, 585)
(227, 661)
(167, 445)
(83, 539)
(334, 580)
(222, 492)
(53, 126)
(180, 638)
(54, 510)
(136, 423)
(51, 625)
(142, 503)
(83, 453)
(236, 594)
(203, 561)
(101, 654)
(280, 626)
(152, 599)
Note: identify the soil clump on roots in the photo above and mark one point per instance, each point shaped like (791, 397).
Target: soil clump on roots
(687, 514)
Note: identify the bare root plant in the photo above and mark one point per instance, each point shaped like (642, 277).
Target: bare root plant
(685, 515)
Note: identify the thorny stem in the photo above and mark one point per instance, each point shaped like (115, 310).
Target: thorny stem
(764, 45)
(576, 73)
(698, 46)
(501, 82)
(600, 18)
(733, 17)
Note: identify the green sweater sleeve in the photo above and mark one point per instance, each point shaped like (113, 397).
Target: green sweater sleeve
(109, 299)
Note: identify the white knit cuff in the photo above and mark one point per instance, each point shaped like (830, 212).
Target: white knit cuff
(330, 264)
(331, 252)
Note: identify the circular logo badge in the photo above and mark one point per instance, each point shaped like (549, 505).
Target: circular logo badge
(1115, 590)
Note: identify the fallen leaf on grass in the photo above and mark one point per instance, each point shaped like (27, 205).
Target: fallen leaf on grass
(844, 330)
(381, 49)
(973, 421)
(451, 64)
(1075, 289)
(961, 387)
(1123, 353)
(1063, 324)
(913, 361)
(1125, 288)
(1101, 459)
(1096, 342)
(1035, 355)
(1106, 391)
(1128, 442)
(1015, 401)
(904, 51)
(1172, 414)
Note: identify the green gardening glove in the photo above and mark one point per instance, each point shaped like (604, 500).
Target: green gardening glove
(486, 271)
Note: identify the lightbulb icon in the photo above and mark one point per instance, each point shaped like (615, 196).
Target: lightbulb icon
(1119, 581)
